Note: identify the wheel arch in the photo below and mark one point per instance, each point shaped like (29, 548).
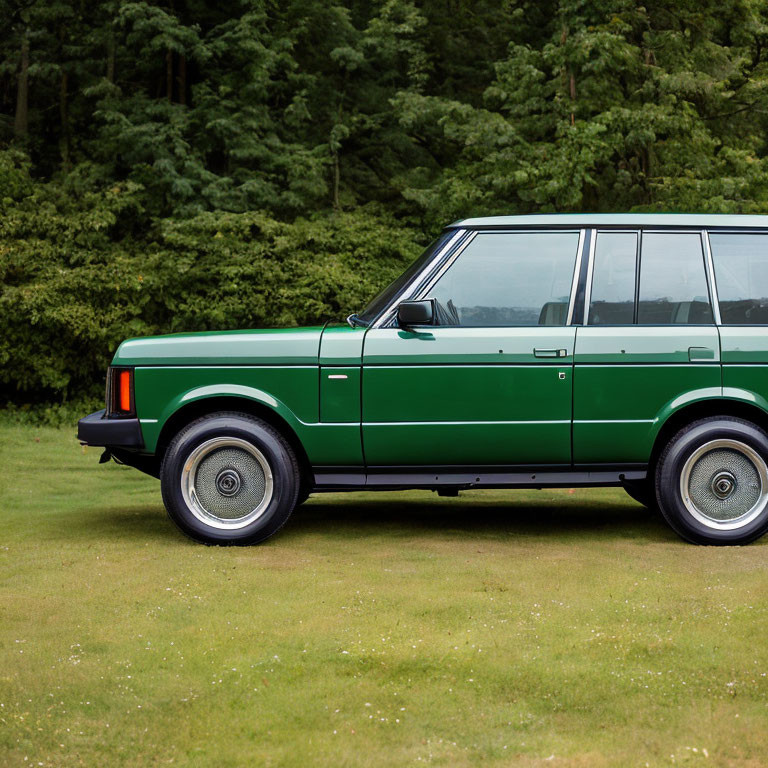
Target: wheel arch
(738, 403)
(206, 405)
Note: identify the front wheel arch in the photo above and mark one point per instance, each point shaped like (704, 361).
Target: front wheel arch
(210, 405)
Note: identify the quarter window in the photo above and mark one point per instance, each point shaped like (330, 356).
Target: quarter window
(612, 300)
(509, 279)
(673, 284)
(741, 274)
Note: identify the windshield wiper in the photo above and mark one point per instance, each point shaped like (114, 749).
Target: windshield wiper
(354, 320)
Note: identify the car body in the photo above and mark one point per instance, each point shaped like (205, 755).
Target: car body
(518, 351)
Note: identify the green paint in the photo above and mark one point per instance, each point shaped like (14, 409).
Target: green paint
(628, 380)
(460, 396)
(286, 346)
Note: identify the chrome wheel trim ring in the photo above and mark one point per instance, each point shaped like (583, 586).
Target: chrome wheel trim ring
(226, 480)
(724, 523)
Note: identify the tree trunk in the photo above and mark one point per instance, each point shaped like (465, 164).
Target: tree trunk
(573, 96)
(568, 79)
(111, 55)
(336, 181)
(182, 79)
(169, 74)
(21, 119)
(64, 117)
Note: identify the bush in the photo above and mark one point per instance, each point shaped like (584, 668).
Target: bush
(81, 273)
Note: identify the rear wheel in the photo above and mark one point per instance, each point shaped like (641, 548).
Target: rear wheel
(229, 478)
(712, 481)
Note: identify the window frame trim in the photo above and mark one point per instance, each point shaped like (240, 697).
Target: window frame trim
(714, 298)
(458, 241)
(730, 231)
(574, 279)
(703, 234)
(423, 291)
(591, 271)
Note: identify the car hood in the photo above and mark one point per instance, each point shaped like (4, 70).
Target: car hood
(284, 346)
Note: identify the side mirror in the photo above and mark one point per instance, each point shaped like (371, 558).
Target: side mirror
(416, 313)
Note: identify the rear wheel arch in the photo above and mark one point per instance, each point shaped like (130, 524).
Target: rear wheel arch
(210, 405)
(703, 409)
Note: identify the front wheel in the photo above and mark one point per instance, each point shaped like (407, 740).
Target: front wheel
(229, 478)
(712, 481)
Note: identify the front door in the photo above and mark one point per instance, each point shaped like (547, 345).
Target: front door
(491, 383)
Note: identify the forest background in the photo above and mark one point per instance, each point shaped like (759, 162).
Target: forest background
(190, 164)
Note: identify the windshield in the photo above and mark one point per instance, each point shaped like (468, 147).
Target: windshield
(382, 300)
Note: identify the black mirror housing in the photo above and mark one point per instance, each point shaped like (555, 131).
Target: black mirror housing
(416, 313)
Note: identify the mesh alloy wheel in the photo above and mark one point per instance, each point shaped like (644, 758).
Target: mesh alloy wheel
(227, 483)
(724, 484)
(230, 478)
(711, 481)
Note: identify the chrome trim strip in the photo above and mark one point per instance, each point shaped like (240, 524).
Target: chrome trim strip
(676, 364)
(456, 423)
(614, 421)
(590, 269)
(338, 376)
(552, 362)
(472, 234)
(671, 231)
(448, 264)
(224, 364)
(387, 314)
(148, 421)
(711, 275)
(575, 280)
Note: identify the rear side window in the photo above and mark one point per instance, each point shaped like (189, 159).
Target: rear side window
(673, 284)
(613, 279)
(508, 279)
(741, 275)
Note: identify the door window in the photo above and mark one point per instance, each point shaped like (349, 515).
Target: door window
(612, 300)
(741, 274)
(673, 283)
(508, 279)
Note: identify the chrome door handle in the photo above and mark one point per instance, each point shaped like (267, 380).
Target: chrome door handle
(701, 353)
(538, 352)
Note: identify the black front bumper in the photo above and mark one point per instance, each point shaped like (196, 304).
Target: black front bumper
(96, 429)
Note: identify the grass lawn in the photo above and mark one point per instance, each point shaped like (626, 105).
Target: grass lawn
(557, 628)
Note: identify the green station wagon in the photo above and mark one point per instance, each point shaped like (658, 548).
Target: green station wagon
(516, 352)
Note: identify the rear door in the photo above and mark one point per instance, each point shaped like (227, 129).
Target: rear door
(741, 272)
(649, 345)
(490, 384)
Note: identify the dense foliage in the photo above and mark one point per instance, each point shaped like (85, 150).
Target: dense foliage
(189, 165)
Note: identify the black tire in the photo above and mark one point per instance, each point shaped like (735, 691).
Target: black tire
(221, 465)
(642, 491)
(712, 481)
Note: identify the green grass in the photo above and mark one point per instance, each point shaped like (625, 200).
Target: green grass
(514, 628)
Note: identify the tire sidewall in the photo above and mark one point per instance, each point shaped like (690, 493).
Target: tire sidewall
(284, 486)
(671, 468)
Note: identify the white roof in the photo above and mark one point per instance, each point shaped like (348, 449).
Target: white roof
(617, 219)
